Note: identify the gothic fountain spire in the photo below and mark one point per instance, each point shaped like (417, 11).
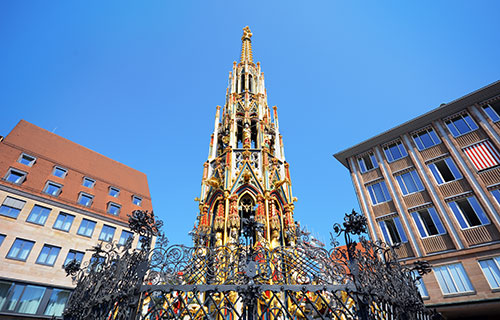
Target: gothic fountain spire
(246, 177)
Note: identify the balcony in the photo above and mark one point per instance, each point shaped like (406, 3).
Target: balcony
(384, 208)
(491, 176)
(416, 199)
(404, 251)
(434, 152)
(470, 138)
(437, 243)
(400, 164)
(480, 234)
(371, 175)
(454, 187)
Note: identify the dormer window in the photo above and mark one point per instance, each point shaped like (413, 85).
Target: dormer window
(26, 159)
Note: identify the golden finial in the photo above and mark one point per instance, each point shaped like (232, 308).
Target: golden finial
(247, 34)
(246, 46)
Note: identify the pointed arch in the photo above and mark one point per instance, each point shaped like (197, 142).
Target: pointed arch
(247, 188)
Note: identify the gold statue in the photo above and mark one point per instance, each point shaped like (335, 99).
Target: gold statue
(247, 34)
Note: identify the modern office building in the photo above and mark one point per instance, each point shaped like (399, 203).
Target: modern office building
(432, 184)
(57, 199)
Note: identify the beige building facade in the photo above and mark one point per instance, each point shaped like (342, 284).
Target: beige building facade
(432, 185)
(57, 199)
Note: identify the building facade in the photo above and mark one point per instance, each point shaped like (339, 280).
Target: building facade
(246, 174)
(432, 185)
(57, 199)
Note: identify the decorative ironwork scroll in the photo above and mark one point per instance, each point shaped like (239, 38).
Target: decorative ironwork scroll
(247, 280)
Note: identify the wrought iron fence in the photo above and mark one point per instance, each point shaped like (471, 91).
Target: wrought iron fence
(246, 280)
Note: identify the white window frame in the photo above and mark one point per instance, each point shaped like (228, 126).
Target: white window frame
(62, 169)
(31, 162)
(88, 179)
(137, 197)
(496, 262)
(361, 158)
(414, 181)
(20, 180)
(461, 115)
(421, 221)
(401, 148)
(110, 204)
(419, 133)
(387, 199)
(454, 281)
(463, 215)
(114, 188)
(439, 172)
(53, 183)
(489, 105)
(88, 195)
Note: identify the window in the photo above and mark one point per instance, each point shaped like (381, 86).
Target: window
(38, 215)
(444, 171)
(124, 237)
(428, 222)
(26, 159)
(419, 282)
(107, 233)
(114, 192)
(52, 188)
(393, 231)
(74, 255)
(15, 176)
(20, 249)
(468, 212)
(87, 182)
(114, 208)
(378, 192)
(493, 111)
(86, 228)
(11, 207)
(59, 172)
(2, 236)
(48, 255)
(57, 302)
(136, 200)
(21, 298)
(452, 278)
(395, 151)
(426, 139)
(483, 155)
(409, 182)
(367, 162)
(85, 199)
(461, 124)
(64, 221)
(496, 194)
(491, 270)
(141, 241)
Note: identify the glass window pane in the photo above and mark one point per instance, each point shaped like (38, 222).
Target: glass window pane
(410, 184)
(361, 164)
(377, 190)
(458, 215)
(400, 229)
(402, 185)
(478, 210)
(395, 151)
(417, 180)
(435, 173)
(57, 302)
(388, 155)
(496, 194)
(418, 142)
(437, 221)
(4, 290)
(453, 168)
(434, 136)
(491, 272)
(452, 129)
(17, 290)
(30, 299)
(491, 113)
(419, 225)
(470, 123)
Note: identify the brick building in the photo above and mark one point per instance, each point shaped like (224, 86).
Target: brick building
(57, 199)
(432, 184)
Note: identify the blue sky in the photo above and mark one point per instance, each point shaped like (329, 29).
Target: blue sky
(139, 81)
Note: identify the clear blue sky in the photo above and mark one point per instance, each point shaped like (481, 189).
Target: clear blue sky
(138, 81)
